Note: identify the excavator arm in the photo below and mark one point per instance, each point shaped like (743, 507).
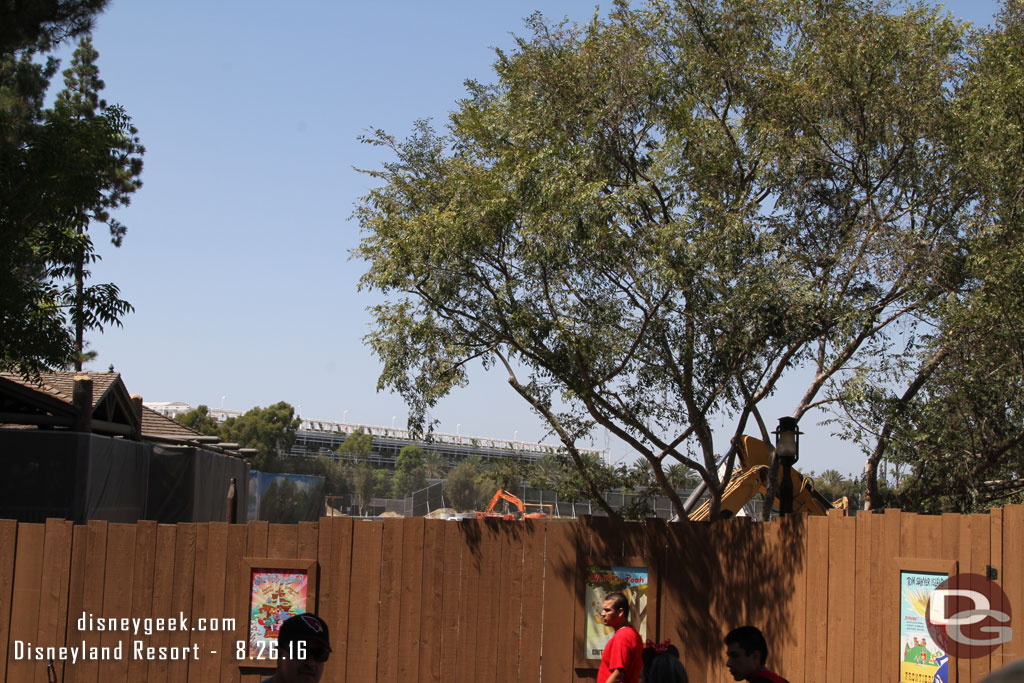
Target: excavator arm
(751, 478)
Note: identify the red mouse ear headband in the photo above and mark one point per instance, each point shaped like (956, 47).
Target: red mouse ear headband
(659, 649)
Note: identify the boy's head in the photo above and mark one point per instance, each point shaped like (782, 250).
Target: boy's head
(746, 652)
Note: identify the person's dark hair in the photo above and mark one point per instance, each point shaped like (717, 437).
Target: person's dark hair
(749, 638)
(619, 601)
(663, 667)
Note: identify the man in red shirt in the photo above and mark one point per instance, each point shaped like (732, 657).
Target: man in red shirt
(746, 653)
(622, 658)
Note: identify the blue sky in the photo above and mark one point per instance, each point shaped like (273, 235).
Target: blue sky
(236, 257)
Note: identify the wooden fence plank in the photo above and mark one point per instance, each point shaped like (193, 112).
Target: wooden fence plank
(842, 537)
(117, 598)
(25, 603)
(470, 531)
(863, 603)
(981, 557)
(256, 539)
(163, 594)
(511, 605)
(889, 588)
(92, 596)
(76, 588)
(364, 610)
(390, 599)
(282, 541)
(432, 603)
(55, 585)
(489, 604)
(686, 594)
(407, 644)
(789, 544)
(306, 544)
(1011, 578)
(186, 545)
(8, 546)
(213, 608)
(817, 610)
(996, 561)
(560, 577)
(235, 594)
(196, 608)
(142, 589)
(336, 596)
(532, 613)
(452, 591)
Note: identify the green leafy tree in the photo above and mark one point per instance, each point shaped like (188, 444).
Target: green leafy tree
(356, 446)
(504, 473)
(63, 168)
(80, 101)
(270, 430)
(434, 465)
(364, 481)
(199, 420)
(382, 482)
(462, 487)
(410, 471)
(650, 221)
(948, 419)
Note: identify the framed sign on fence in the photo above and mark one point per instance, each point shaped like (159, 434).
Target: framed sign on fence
(633, 579)
(921, 658)
(275, 590)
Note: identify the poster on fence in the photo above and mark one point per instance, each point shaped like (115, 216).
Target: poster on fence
(921, 658)
(274, 595)
(602, 580)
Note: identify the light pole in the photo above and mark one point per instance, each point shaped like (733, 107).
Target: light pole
(344, 416)
(393, 421)
(787, 450)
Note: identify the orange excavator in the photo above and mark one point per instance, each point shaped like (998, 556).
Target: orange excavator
(501, 494)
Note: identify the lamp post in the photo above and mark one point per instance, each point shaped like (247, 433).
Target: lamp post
(787, 450)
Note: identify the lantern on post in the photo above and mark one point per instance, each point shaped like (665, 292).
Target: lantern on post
(787, 450)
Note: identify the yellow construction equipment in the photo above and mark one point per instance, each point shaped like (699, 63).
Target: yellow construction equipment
(751, 478)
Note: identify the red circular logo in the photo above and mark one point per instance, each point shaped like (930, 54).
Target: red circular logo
(968, 616)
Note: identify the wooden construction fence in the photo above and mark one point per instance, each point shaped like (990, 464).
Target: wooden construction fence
(490, 600)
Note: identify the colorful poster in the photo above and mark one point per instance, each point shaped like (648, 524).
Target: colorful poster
(921, 659)
(601, 580)
(273, 597)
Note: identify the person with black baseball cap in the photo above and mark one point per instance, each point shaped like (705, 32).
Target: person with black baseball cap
(303, 646)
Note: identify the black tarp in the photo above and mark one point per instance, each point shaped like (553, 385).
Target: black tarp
(191, 485)
(86, 476)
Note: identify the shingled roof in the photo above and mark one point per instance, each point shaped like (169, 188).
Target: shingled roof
(48, 402)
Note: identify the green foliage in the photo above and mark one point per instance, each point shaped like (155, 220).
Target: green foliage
(463, 489)
(270, 430)
(410, 471)
(356, 446)
(63, 168)
(434, 465)
(382, 482)
(199, 419)
(504, 473)
(955, 436)
(651, 220)
(832, 486)
(364, 481)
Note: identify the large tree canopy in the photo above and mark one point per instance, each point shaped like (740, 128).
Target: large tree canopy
(650, 221)
(61, 169)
